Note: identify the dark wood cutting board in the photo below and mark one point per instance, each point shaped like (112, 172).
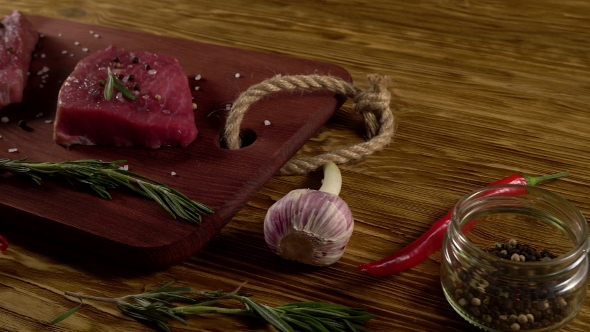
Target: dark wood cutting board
(128, 228)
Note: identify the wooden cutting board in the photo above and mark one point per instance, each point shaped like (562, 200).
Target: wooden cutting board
(128, 228)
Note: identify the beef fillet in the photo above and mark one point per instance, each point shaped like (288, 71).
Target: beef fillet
(18, 38)
(161, 115)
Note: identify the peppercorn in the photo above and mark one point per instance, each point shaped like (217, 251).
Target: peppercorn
(131, 77)
(116, 59)
(23, 125)
(135, 60)
(101, 83)
(147, 67)
(136, 86)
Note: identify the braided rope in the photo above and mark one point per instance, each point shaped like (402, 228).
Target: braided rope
(372, 104)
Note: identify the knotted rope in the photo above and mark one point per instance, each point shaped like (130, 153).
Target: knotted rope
(372, 104)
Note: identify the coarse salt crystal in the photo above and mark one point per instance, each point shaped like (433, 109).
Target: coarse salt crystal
(41, 35)
(91, 32)
(166, 111)
(12, 150)
(45, 69)
(173, 173)
(71, 54)
(43, 55)
(96, 35)
(84, 49)
(124, 167)
(39, 115)
(152, 71)
(266, 123)
(197, 88)
(64, 52)
(59, 34)
(120, 96)
(48, 121)
(237, 75)
(198, 77)
(278, 75)
(76, 43)
(4, 119)
(0, 136)
(41, 85)
(227, 107)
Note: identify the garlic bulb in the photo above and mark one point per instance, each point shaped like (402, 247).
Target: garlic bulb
(311, 226)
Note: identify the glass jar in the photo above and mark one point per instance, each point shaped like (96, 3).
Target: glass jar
(515, 258)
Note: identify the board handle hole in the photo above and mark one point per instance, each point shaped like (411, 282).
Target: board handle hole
(247, 137)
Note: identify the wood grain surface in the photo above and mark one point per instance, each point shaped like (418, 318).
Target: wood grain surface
(483, 89)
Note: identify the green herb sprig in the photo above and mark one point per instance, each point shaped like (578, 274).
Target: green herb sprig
(158, 307)
(101, 176)
(111, 83)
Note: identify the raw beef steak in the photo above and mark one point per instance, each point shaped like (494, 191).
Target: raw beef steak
(18, 38)
(161, 115)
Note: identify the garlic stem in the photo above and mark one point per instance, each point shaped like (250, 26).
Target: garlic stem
(332, 182)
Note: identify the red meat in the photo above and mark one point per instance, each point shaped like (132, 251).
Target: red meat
(162, 114)
(18, 38)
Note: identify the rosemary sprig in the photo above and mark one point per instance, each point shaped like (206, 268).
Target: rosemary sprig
(158, 307)
(113, 82)
(101, 176)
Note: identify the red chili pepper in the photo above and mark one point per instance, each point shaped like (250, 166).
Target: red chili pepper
(3, 243)
(431, 241)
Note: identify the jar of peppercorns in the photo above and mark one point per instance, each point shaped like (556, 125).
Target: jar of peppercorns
(516, 258)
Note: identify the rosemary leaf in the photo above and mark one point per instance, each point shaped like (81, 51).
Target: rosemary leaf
(267, 314)
(165, 287)
(123, 89)
(314, 324)
(109, 86)
(66, 314)
(298, 323)
(141, 301)
(350, 326)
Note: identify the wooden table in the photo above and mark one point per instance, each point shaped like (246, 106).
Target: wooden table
(483, 89)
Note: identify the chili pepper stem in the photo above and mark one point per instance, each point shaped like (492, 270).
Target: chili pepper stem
(534, 180)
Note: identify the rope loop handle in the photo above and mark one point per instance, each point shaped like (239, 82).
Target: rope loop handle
(372, 104)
